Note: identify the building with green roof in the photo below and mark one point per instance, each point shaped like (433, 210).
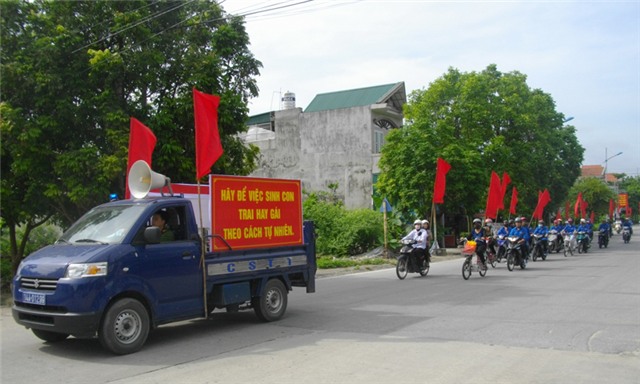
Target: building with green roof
(335, 140)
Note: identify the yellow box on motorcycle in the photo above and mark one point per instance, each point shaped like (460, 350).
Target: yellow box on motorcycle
(469, 247)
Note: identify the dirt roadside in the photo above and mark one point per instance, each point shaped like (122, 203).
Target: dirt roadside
(451, 254)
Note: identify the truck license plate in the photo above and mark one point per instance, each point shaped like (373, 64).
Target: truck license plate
(33, 298)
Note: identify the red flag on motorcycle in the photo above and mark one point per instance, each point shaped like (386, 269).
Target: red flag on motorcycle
(567, 215)
(503, 190)
(514, 201)
(208, 144)
(583, 209)
(142, 141)
(493, 198)
(558, 215)
(440, 184)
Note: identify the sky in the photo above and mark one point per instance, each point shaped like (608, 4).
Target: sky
(585, 54)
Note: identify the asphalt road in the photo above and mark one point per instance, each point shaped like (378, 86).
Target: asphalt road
(563, 320)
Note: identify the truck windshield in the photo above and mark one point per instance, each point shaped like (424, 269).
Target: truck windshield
(103, 225)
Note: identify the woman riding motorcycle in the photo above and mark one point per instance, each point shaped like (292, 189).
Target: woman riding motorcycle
(418, 235)
(479, 235)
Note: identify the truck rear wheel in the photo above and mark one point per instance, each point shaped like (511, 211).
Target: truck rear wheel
(125, 327)
(48, 336)
(273, 302)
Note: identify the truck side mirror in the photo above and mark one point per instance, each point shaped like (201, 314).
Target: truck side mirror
(152, 235)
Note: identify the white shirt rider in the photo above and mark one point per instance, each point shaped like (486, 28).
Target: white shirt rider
(418, 234)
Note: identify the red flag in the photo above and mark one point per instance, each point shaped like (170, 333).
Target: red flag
(566, 210)
(612, 207)
(514, 201)
(583, 209)
(578, 205)
(543, 200)
(503, 191)
(629, 212)
(493, 198)
(558, 215)
(440, 185)
(208, 145)
(593, 217)
(141, 144)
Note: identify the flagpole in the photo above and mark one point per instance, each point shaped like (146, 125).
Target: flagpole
(202, 253)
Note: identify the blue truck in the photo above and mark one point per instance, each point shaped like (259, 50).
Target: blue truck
(111, 276)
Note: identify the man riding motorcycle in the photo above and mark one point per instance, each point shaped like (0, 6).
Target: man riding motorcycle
(603, 236)
(542, 230)
(523, 237)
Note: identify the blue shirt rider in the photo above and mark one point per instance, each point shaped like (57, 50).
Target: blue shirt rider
(542, 229)
(604, 228)
(627, 223)
(522, 235)
(583, 227)
(479, 235)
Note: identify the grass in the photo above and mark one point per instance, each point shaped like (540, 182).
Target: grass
(329, 262)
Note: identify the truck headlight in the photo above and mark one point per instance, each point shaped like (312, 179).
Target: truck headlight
(86, 270)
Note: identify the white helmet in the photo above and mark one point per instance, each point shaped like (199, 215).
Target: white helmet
(425, 221)
(417, 221)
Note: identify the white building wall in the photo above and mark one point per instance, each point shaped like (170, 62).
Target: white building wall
(322, 148)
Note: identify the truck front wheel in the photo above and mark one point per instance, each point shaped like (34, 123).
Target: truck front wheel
(125, 327)
(273, 302)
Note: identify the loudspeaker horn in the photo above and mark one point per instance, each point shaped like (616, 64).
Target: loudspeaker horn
(142, 179)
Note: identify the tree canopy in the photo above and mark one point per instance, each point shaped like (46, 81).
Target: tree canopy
(75, 72)
(479, 122)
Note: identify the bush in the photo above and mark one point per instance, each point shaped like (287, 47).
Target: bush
(341, 232)
(39, 237)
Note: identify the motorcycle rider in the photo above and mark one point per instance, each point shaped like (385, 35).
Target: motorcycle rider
(488, 227)
(568, 229)
(504, 230)
(583, 227)
(605, 230)
(418, 235)
(627, 223)
(427, 227)
(541, 229)
(557, 225)
(478, 234)
(522, 235)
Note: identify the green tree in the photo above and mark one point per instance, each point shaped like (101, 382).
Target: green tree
(479, 122)
(595, 192)
(73, 75)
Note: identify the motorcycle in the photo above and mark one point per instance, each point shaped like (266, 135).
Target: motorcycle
(469, 265)
(626, 235)
(538, 247)
(569, 243)
(583, 242)
(603, 239)
(618, 226)
(555, 241)
(406, 263)
(515, 254)
(502, 248)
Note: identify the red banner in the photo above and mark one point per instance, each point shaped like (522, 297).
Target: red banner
(623, 200)
(250, 212)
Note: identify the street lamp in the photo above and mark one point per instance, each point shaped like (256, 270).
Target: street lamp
(606, 160)
(567, 119)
